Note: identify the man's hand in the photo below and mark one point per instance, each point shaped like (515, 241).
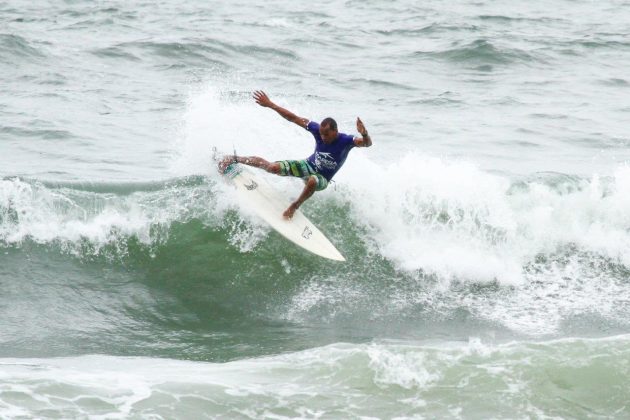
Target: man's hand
(365, 140)
(361, 128)
(262, 99)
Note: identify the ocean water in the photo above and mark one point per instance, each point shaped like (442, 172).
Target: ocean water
(487, 231)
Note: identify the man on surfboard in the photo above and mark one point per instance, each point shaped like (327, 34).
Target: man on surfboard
(331, 150)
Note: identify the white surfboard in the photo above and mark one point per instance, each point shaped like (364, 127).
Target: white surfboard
(270, 204)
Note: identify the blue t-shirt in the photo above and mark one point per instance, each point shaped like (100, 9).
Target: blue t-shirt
(328, 158)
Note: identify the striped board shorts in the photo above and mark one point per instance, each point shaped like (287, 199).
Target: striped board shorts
(302, 169)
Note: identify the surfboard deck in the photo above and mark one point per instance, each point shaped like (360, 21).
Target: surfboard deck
(269, 204)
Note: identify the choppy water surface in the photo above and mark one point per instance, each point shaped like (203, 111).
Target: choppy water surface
(486, 231)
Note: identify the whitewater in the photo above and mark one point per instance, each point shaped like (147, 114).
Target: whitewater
(487, 231)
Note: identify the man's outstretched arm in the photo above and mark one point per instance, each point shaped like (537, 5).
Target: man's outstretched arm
(365, 140)
(263, 100)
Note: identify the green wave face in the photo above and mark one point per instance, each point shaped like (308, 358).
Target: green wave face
(176, 269)
(161, 269)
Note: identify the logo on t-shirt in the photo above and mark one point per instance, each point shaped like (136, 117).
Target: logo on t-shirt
(324, 160)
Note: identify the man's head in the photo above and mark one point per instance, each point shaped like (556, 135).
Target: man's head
(328, 130)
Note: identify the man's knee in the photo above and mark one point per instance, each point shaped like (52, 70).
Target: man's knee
(317, 182)
(273, 168)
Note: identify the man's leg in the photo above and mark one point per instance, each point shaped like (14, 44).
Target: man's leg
(284, 168)
(255, 161)
(309, 189)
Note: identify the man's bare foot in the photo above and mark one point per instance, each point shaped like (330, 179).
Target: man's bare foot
(288, 213)
(225, 162)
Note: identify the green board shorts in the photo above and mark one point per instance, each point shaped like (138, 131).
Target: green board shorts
(302, 169)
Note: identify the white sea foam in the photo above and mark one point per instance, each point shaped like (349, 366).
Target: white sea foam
(442, 216)
(552, 245)
(30, 210)
(231, 121)
(382, 379)
(452, 219)
(555, 243)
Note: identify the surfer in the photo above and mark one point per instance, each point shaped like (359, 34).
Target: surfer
(331, 150)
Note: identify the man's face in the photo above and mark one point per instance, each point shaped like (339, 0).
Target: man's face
(328, 134)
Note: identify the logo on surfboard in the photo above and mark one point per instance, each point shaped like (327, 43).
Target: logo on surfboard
(306, 233)
(252, 185)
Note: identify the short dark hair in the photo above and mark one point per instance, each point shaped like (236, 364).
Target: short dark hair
(330, 123)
